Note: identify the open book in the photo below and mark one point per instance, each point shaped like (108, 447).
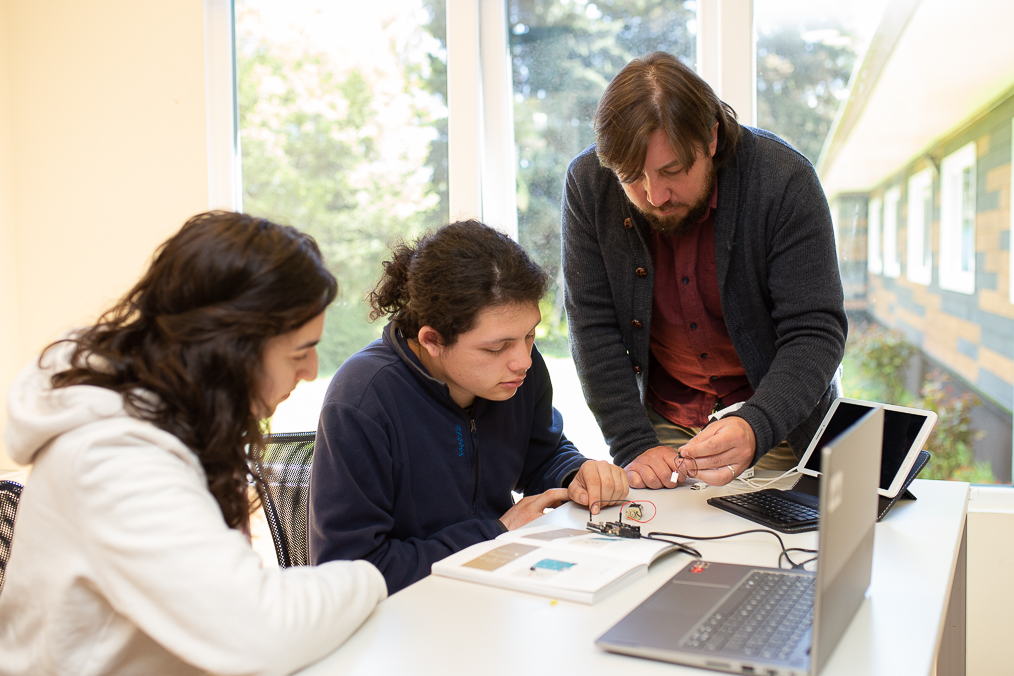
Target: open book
(563, 563)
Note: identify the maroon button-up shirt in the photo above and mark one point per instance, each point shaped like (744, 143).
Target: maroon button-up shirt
(694, 364)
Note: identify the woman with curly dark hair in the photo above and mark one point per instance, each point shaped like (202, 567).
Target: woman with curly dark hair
(131, 552)
(424, 434)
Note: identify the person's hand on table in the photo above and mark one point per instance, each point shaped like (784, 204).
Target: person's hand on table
(653, 468)
(597, 484)
(722, 450)
(530, 508)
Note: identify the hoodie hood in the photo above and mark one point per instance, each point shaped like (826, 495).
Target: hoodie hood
(37, 413)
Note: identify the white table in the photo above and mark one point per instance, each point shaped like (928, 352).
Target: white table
(443, 626)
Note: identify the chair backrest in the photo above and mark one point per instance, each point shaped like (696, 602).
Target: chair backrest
(10, 494)
(284, 490)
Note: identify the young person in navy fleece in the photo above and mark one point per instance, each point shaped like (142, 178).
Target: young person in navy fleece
(424, 433)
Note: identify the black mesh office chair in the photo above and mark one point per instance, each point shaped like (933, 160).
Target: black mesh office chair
(10, 494)
(285, 471)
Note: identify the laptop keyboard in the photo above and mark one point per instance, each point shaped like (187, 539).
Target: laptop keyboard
(774, 508)
(768, 623)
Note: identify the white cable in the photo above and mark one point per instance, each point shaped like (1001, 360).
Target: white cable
(759, 484)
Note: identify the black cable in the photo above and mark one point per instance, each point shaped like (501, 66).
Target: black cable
(609, 503)
(679, 545)
(784, 554)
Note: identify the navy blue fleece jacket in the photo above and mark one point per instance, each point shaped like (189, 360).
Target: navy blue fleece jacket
(403, 476)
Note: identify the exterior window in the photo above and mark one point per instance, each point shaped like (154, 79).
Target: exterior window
(342, 127)
(563, 54)
(875, 263)
(957, 220)
(920, 227)
(892, 202)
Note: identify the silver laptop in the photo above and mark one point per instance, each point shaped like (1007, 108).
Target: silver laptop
(771, 621)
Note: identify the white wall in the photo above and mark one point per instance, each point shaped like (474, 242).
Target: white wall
(990, 576)
(10, 331)
(103, 155)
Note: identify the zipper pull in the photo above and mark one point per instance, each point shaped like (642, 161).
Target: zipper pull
(472, 422)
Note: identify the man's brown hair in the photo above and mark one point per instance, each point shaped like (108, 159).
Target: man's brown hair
(654, 92)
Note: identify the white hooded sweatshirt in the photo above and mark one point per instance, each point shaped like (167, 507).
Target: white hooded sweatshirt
(122, 562)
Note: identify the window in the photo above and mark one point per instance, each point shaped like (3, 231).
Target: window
(920, 228)
(892, 203)
(805, 56)
(874, 262)
(554, 58)
(563, 55)
(342, 131)
(957, 220)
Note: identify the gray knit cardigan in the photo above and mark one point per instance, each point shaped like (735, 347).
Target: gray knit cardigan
(778, 278)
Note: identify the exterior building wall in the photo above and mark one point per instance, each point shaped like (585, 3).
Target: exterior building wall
(972, 335)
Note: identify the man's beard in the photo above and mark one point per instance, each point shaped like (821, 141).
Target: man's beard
(678, 225)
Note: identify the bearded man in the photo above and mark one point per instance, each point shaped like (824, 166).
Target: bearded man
(700, 274)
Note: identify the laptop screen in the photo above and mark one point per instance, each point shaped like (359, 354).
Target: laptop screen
(900, 432)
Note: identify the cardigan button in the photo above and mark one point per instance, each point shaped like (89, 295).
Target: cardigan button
(636, 324)
(628, 223)
(637, 369)
(641, 272)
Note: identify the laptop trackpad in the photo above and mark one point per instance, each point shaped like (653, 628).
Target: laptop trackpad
(658, 622)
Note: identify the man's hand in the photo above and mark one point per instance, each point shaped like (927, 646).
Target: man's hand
(722, 450)
(597, 483)
(532, 507)
(653, 468)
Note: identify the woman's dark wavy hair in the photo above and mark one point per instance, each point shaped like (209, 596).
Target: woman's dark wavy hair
(450, 276)
(193, 331)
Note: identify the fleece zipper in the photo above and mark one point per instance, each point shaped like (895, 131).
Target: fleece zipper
(475, 461)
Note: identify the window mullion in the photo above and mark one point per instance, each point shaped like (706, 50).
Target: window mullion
(224, 181)
(499, 164)
(727, 54)
(464, 110)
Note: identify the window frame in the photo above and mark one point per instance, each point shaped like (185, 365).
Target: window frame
(952, 211)
(874, 261)
(1010, 236)
(221, 111)
(919, 258)
(890, 252)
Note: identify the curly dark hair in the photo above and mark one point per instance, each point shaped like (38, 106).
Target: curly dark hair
(450, 276)
(192, 332)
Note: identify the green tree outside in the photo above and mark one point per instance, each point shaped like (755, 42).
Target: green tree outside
(343, 154)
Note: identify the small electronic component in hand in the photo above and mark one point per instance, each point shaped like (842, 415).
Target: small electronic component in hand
(616, 528)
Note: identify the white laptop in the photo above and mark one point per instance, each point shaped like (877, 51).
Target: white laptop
(771, 621)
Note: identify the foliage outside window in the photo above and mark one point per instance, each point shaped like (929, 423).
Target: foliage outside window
(342, 129)
(803, 73)
(563, 54)
(876, 368)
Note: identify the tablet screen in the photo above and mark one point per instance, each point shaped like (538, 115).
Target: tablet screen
(900, 432)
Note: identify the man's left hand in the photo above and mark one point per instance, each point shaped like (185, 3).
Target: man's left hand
(722, 450)
(598, 483)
